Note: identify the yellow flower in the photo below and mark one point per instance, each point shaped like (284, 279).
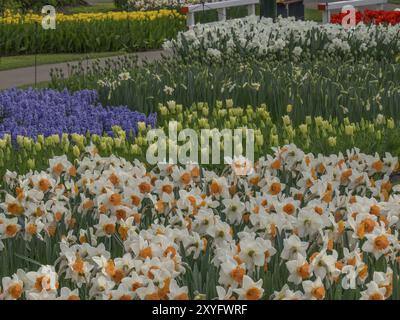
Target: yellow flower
(332, 141)
(303, 128)
(76, 152)
(349, 130)
(11, 18)
(390, 123)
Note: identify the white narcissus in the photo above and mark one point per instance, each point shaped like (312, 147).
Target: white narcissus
(265, 37)
(250, 289)
(379, 242)
(299, 269)
(314, 232)
(373, 292)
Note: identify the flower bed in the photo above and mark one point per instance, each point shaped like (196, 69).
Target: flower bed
(299, 227)
(31, 113)
(370, 17)
(83, 215)
(98, 32)
(327, 88)
(241, 38)
(37, 125)
(123, 133)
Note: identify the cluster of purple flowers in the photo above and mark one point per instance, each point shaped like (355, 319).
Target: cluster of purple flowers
(47, 112)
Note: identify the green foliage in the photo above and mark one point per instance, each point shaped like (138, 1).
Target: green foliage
(88, 36)
(36, 5)
(316, 88)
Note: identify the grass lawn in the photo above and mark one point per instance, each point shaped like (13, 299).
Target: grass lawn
(98, 7)
(40, 85)
(313, 14)
(14, 62)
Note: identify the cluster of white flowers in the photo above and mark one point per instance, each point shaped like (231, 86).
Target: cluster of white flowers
(262, 37)
(318, 222)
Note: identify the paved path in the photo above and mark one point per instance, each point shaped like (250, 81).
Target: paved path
(25, 76)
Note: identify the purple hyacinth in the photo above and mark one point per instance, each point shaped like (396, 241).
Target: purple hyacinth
(47, 112)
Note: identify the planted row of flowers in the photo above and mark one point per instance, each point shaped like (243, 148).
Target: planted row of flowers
(241, 38)
(89, 32)
(38, 125)
(300, 226)
(370, 17)
(327, 88)
(30, 113)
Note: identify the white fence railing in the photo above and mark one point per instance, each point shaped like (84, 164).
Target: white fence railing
(329, 7)
(220, 6)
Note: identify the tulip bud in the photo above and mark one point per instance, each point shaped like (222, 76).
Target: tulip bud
(222, 113)
(229, 103)
(117, 142)
(31, 164)
(40, 139)
(171, 105)
(390, 123)
(75, 151)
(289, 108)
(259, 140)
(141, 126)
(378, 135)
(27, 143)
(135, 150)
(55, 139)
(303, 128)
(20, 140)
(332, 141)
(64, 138)
(65, 147)
(349, 130)
(286, 120)
(371, 128)
(163, 111)
(380, 119)
(140, 141)
(318, 121)
(38, 146)
(274, 140)
(103, 146)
